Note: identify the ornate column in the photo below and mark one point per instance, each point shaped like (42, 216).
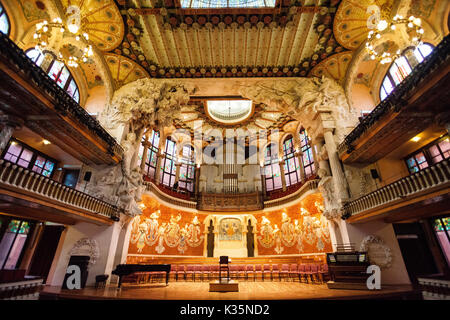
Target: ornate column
(299, 155)
(263, 182)
(283, 177)
(8, 124)
(323, 168)
(177, 171)
(144, 155)
(340, 183)
(160, 156)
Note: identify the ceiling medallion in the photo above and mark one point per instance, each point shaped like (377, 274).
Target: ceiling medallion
(73, 25)
(413, 25)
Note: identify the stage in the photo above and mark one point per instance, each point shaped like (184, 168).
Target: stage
(247, 291)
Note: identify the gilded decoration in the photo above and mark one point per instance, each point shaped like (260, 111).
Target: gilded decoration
(123, 70)
(352, 18)
(102, 21)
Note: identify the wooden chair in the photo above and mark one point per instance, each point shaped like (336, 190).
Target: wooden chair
(206, 271)
(258, 270)
(266, 270)
(276, 271)
(190, 271)
(223, 266)
(284, 272)
(293, 272)
(249, 270)
(323, 272)
(302, 273)
(181, 272)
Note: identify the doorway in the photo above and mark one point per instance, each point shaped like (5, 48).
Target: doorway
(415, 250)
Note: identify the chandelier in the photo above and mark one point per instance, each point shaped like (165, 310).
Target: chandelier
(44, 32)
(413, 25)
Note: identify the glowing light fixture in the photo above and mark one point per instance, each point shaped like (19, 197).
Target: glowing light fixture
(46, 142)
(413, 25)
(73, 25)
(415, 139)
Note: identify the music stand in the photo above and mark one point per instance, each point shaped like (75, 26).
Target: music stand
(223, 265)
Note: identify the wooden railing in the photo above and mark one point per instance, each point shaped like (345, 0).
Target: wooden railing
(12, 175)
(434, 289)
(305, 187)
(21, 290)
(431, 177)
(230, 202)
(151, 187)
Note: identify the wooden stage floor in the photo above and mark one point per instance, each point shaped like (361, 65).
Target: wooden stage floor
(247, 291)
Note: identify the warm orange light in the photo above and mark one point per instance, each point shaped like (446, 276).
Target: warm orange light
(415, 139)
(46, 142)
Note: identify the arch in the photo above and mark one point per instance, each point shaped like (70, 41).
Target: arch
(86, 246)
(401, 67)
(291, 163)
(57, 71)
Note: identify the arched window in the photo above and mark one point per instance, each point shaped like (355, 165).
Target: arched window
(187, 169)
(291, 165)
(58, 72)
(168, 166)
(402, 67)
(152, 153)
(4, 21)
(272, 170)
(307, 157)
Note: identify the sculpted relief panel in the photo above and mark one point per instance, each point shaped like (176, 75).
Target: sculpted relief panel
(300, 228)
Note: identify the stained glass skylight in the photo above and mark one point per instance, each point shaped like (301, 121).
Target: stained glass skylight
(227, 4)
(229, 111)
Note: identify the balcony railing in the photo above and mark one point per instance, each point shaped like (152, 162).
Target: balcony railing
(12, 175)
(230, 202)
(21, 290)
(309, 185)
(431, 177)
(397, 99)
(434, 289)
(169, 198)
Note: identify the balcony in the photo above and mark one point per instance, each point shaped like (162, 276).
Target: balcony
(237, 202)
(421, 194)
(406, 112)
(28, 93)
(22, 190)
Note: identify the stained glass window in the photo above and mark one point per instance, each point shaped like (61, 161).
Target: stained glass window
(442, 231)
(58, 72)
(21, 155)
(187, 169)
(402, 67)
(227, 3)
(152, 153)
(307, 157)
(4, 21)
(433, 153)
(168, 164)
(43, 166)
(291, 165)
(13, 242)
(272, 170)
